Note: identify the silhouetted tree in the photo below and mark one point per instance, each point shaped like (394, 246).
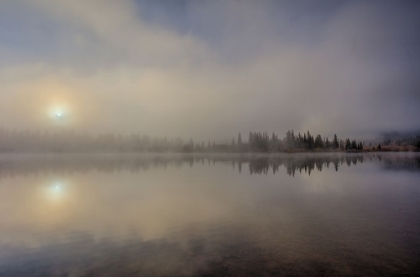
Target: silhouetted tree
(335, 142)
(311, 141)
(318, 142)
(348, 144)
(327, 144)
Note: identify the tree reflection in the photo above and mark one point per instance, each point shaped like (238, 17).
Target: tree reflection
(306, 164)
(263, 164)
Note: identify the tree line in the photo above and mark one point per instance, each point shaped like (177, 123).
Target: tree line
(413, 140)
(262, 142)
(70, 141)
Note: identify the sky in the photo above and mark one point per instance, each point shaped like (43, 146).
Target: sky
(210, 69)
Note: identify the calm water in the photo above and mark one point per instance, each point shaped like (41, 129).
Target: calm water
(287, 215)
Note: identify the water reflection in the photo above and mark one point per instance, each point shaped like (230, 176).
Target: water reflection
(56, 191)
(188, 215)
(292, 164)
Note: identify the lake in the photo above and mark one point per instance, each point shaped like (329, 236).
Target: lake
(210, 215)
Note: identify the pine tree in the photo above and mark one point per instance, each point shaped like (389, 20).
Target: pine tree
(300, 140)
(354, 144)
(293, 139)
(251, 141)
(348, 144)
(327, 143)
(289, 139)
(335, 142)
(318, 142)
(341, 144)
(310, 141)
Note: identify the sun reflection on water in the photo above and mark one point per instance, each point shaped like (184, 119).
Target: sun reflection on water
(57, 191)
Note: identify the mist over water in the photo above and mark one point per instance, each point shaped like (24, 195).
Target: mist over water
(30, 164)
(168, 69)
(210, 215)
(209, 138)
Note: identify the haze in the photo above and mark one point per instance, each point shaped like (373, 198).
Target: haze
(210, 69)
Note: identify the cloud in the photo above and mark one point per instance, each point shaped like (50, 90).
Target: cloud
(237, 66)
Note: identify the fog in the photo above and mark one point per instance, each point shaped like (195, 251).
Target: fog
(192, 215)
(210, 69)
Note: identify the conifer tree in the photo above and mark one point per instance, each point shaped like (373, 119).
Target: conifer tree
(354, 144)
(335, 142)
(348, 144)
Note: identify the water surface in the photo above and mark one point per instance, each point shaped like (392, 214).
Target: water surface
(217, 215)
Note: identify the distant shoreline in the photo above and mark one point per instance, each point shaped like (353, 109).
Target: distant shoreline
(134, 153)
(29, 141)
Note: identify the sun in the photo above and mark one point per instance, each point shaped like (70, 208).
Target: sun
(59, 114)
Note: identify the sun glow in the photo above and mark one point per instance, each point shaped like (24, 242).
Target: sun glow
(59, 114)
(56, 191)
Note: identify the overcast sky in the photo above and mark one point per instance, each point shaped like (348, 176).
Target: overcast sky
(210, 69)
